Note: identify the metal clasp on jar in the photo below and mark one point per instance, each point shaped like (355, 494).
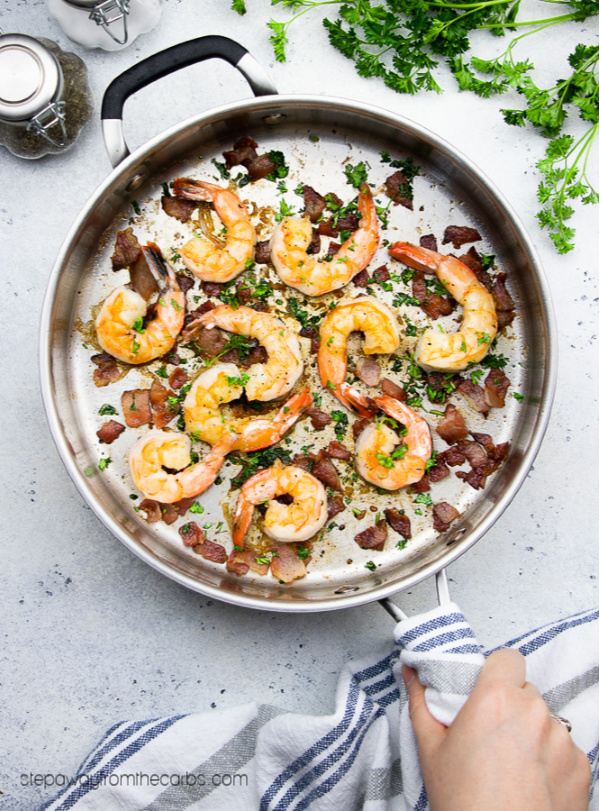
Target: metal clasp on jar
(53, 113)
(111, 11)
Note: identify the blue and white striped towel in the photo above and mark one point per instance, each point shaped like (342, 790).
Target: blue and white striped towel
(260, 757)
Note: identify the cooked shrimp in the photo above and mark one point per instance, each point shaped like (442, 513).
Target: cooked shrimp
(315, 276)
(386, 460)
(297, 521)
(278, 376)
(208, 261)
(120, 322)
(223, 383)
(362, 314)
(157, 449)
(453, 352)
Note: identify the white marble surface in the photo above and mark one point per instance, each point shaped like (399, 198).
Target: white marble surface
(91, 635)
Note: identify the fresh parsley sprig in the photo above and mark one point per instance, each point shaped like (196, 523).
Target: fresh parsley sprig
(404, 43)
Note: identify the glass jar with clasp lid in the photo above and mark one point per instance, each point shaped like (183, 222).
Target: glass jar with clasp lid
(107, 24)
(45, 97)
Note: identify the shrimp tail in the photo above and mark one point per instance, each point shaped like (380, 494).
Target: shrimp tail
(353, 399)
(161, 271)
(289, 413)
(244, 510)
(190, 189)
(415, 256)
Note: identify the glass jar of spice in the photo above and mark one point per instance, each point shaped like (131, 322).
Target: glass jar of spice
(45, 97)
(107, 24)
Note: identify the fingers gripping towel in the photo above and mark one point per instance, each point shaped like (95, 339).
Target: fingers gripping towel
(261, 758)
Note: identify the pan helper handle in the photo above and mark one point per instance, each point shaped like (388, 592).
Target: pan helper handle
(441, 646)
(163, 63)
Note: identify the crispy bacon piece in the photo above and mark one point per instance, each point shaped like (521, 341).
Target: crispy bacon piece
(428, 241)
(348, 223)
(257, 354)
(286, 565)
(177, 378)
(397, 188)
(206, 342)
(183, 505)
(262, 252)
(303, 461)
(162, 411)
(398, 522)
(460, 234)
(192, 534)
(475, 396)
(433, 304)
(373, 537)
(452, 428)
(110, 431)
(240, 561)
(453, 456)
(368, 370)
(108, 370)
(314, 246)
(495, 388)
(260, 167)
(244, 151)
(422, 486)
(311, 332)
(393, 389)
(152, 510)
(185, 282)
(211, 289)
(381, 274)
(472, 260)
(438, 472)
(318, 418)
(325, 471)
(443, 515)
(326, 228)
(127, 250)
(338, 451)
(335, 505)
(178, 207)
(505, 306)
(496, 452)
(361, 279)
(135, 405)
(212, 551)
(314, 203)
(358, 426)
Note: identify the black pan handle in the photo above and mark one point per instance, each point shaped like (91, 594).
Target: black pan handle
(163, 63)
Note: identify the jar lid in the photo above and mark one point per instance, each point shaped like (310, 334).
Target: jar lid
(30, 77)
(89, 4)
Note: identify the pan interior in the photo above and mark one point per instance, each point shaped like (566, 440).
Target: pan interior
(319, 137)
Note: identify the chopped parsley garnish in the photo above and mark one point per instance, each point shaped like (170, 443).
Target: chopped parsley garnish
(301, 315)
(302, 551)
(424, 498)
(237, 381)
(104, 463)
(107, 409)
(281, 168)
(341, 423)
(196, 508)
(356, 175)
(222, 169)
(258, 460)
(518, 396)
(370, 565)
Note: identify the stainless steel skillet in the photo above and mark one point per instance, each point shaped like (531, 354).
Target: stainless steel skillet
(318, 135)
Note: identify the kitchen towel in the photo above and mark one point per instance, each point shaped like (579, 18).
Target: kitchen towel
(258, 757)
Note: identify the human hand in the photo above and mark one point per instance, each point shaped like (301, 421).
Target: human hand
(503, 751)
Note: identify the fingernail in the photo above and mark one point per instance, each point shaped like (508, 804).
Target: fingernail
(408, 674)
